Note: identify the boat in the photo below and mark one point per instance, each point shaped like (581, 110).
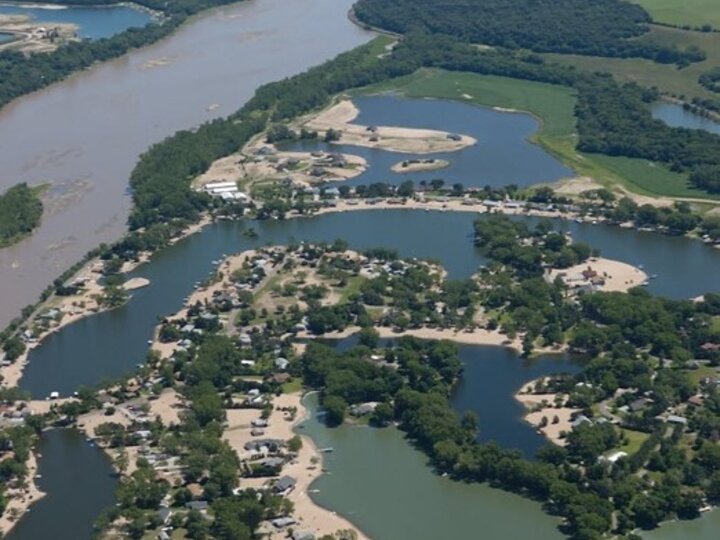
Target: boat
(326, 450)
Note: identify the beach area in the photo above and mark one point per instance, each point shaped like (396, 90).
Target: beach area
(605, 275)
(546, 412)
(20, 499)
(339, 117)
(305, 468)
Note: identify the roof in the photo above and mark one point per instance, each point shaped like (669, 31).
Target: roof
(197, 505)
(285, 483)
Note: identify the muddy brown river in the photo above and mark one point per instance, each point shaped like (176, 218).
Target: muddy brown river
(84, 135)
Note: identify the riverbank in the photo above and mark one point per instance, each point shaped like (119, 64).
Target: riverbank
(20, 499)
(339, 117)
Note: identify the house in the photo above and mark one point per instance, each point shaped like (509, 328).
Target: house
(244, 339)
(200, 506)
(696, 401)
(257, 432)
(303, 535)
(363, 408)
(454, 137)
(283, 522)
(259, 423)
(638, 404)
(675, 419)
(613, 457)
(282, 363)
(581, 419)
(164, 515)
(163, 535)
(284, 484)
(281, 378)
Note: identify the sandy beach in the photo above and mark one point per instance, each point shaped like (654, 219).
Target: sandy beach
(541, 409)
(616, 276)
(246, 167)
(305, 468)
(19, 500)
(339, 117)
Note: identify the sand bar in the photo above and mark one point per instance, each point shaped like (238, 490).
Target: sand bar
(393, 139)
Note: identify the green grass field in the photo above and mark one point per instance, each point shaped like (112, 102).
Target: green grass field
(695, 13)
(554, 106)
(668, 78)
(634, 441)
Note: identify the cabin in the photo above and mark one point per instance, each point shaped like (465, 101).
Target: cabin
(454, 137)
(284, 484)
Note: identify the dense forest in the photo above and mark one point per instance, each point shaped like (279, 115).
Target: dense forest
(21, 74)
(20, 213)
(591, 27)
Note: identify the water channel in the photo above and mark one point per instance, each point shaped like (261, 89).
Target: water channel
(111, 344)
(92, 22)
(502, 155)
(94, 125)
(79, 483)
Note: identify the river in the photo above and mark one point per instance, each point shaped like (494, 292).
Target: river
(93, 22)
(84, 135)
(112, 343)
(79, 483)
(503, 154)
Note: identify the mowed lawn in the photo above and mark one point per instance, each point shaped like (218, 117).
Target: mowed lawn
(695, 13)
(553, 106)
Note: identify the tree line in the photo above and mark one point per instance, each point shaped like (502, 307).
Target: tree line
(589, 27)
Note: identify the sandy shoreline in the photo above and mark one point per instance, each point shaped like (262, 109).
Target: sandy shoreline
(339, 117)
(19, 501)
(543, 413)
(611, 275)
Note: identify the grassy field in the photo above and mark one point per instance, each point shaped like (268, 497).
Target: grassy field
(695, 13)
(670, 79)
(634, 441)
(553, 106)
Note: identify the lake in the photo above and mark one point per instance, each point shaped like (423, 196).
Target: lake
(92, 22)
(677, 116)
(502, 155)
(5, 37)
(382, 484)
(491, 377)
(79, 483)
(96, 123)
(112, 343)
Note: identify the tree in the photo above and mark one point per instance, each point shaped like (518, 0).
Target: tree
(335, 410)
(294, 444)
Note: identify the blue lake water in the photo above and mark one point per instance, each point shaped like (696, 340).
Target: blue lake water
(491, 377)
(676, 116)
(92, 22)
(112, 343)
(4, 37)
(502, 155)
